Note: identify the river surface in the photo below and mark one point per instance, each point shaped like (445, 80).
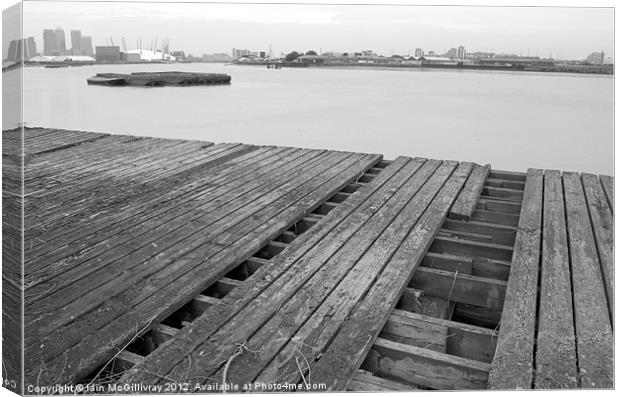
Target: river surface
(511, 120)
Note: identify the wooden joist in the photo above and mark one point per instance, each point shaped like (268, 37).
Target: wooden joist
(456, 246)
(463, 340)
(481, 267)
(500, 234)
(457, 287)
(464, 206)
(417, 301)
(365, 381)
(426, 367)
(512, 367)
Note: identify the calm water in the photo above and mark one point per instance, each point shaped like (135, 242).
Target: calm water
(511, 120)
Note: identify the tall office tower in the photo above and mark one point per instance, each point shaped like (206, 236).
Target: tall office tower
(11, 56)
(61, 45)
(86, 46)
(30, 47)
(76, 37)
(461, 52)
(49, 42)
(419, 52)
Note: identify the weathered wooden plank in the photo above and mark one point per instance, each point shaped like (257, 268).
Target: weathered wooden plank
(602, 222)
(556, 361)
(465, 203)
(315, 311)
(289, 272)
(166, 283)
(154, 234)
(349, 347)
(608, 186)
(66, 242)
(593, 330)
(148, 260)
(426, 367)
(512, 366)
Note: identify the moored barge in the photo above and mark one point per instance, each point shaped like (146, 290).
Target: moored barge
(158, 79)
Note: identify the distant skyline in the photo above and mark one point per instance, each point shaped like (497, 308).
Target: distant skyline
(570, 33)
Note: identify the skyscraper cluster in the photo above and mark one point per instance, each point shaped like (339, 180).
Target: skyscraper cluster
(54, 43)
(28, 46)
(81, 45)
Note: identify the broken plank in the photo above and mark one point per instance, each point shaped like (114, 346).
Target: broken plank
(464, 206)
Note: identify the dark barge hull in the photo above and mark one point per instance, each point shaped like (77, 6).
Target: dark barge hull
(158, 79)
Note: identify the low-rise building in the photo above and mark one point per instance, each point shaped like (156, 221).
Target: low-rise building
(108, 53)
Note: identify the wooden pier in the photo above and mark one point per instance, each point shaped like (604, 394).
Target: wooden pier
(170, 262)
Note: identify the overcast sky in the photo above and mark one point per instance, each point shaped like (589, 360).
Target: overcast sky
(209, 28)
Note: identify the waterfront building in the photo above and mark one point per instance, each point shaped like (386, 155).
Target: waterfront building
(452, 53)
(238, 53)
(219, 57)
(506, 60)
(596, 58)
(433, 60)
(110, 53)
(178, 54)
(461, 53)
(148, 56)
(419, 53)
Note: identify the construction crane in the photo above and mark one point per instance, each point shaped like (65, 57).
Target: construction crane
(124, 44)
(111, 41)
